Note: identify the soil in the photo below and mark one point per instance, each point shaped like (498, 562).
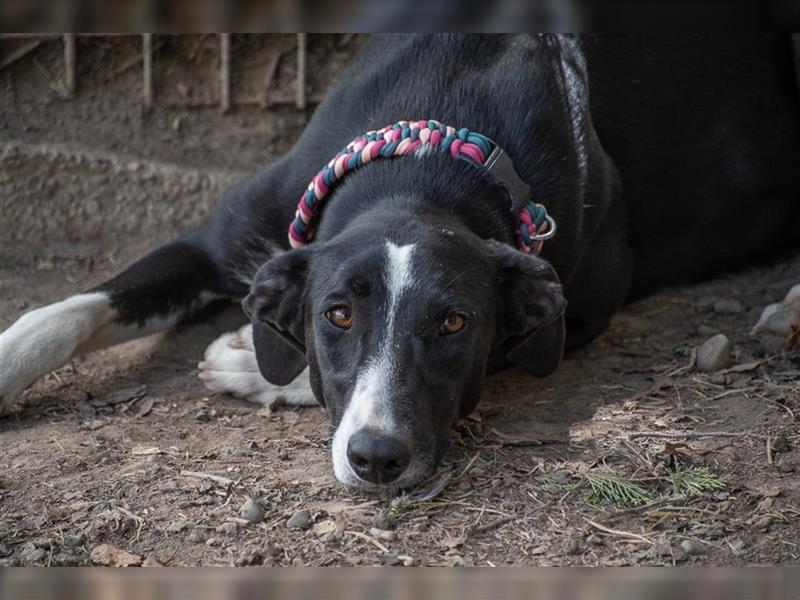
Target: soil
(126, 448)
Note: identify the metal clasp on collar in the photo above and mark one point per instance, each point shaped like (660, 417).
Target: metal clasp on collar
(551, 230)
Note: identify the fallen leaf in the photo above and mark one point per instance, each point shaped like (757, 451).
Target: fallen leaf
(324, 528)
(111, 556)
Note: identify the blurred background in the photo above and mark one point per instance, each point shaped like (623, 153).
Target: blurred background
(166, 121)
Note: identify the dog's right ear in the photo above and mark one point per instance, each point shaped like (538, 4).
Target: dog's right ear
(275, 305)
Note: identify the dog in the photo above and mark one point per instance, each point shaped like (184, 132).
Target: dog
(526, 188)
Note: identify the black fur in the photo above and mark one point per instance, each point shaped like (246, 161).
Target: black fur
(677, 158)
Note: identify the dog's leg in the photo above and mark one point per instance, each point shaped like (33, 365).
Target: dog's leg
(152, 294)
(230, 367)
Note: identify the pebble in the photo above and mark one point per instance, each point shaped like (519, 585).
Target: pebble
(595, 540)
(212, 542)
(715, 354)
(738, 548)
(692, 548)
(227, 529)
(299, 520)
(202, 415)
(252, 511)
(728, 306)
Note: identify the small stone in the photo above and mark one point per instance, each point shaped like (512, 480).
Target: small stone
(738, 548)
(202, 415)
(228, 528)
(299, 520)
(252, 511)
(176, 124)
(728, 306)
(715, 354)
(212, 542)
(692, 548)
(595, 540)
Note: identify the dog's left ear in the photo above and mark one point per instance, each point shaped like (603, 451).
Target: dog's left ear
(276, 306)
(530, 326)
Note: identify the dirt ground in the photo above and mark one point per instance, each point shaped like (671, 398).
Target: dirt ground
(122, 457)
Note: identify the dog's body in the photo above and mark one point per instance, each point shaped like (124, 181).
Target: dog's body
(661, 160)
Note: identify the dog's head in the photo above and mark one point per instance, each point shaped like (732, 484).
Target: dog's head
(397, 330)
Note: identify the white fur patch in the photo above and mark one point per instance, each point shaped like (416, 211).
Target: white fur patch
(230, 367)
(46, 338)
(368, 404)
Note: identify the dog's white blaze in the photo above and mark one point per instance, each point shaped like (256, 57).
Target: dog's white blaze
(368, 404)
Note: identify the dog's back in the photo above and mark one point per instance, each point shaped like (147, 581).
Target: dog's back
(705, 131)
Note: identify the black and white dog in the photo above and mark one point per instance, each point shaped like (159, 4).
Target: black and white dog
(661, 159)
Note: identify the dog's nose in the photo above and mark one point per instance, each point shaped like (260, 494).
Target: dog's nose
(377, 457)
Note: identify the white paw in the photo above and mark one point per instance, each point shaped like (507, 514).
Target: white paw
(778, 328)
(230, 367)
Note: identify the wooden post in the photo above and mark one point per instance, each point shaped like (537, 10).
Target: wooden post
(69, 64)
(225, 72)
(147, 71)
(301, 71)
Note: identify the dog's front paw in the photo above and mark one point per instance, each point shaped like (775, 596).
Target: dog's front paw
(778, 328)
(230, 367)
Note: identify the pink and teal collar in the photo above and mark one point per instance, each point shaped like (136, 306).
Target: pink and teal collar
(420, 138)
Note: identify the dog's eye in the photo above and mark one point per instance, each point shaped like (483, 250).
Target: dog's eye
(340, 316)
(453, 324)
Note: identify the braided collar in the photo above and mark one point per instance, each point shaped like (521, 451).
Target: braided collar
(421, 138)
